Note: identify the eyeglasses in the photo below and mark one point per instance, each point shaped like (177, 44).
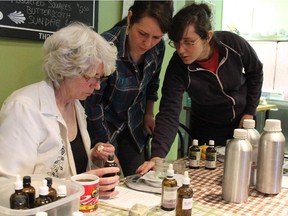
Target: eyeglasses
(94, 79)
(187, 44)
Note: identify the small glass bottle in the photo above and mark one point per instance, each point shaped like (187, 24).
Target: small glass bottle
(110, 163)
(43, 198)
(61, 191)
(169, 191)
(52, 191)
(19, 199)
(184, 197)
(211, 156)
(194, 155)
(29, 190)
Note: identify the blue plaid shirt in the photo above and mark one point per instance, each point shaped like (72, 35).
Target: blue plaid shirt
(121, 101)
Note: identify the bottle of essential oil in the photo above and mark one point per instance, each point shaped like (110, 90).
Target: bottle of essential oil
(61, 191)
(19, 199)
(169, 190)
(194, 155)
(184, 197)
(211, 156)
(29, 190)
(110, 163)
(52, 191)
(43, 198)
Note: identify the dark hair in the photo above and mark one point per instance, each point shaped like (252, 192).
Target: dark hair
(162, 11)
(198, 15)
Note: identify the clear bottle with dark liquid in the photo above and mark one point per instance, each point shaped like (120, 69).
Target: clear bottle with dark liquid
(19, 199)
(110, 163)
(29, 190)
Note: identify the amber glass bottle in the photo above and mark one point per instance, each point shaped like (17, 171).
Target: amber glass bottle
(184, 197)
(169, 191)
(52, 191)
(19, 199)
(43, 197)
(194, 155)
(211, 156)
(29, 190)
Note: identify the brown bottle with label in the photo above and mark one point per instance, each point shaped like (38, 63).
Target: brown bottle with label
(211, 156)
(194, 155)
(52, 191)
(19, 199)
(43, 197)
(29, 190)
(110, 163)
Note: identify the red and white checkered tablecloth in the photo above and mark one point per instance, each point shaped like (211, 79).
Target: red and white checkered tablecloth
(207, 188)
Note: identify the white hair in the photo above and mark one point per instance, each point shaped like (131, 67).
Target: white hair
(74, 50)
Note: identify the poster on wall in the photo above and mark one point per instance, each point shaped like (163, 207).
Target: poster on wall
(38, 19)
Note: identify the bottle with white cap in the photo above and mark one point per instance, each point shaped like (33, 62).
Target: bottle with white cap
(253, 137)
(77, 213)
(41, 214)
(19, 199)
(211, 156)
(237, 168)
(184, 197)
(270, 158)
(61, 191)
(169, 191)
(194, 155)
(43, 197)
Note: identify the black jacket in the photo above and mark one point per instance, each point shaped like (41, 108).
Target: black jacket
(219, 98)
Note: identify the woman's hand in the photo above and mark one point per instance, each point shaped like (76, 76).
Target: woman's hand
(107, 183)
(102, 150)
(146, 166)
(149, 123)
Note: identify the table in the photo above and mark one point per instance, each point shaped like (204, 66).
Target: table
(207, 199)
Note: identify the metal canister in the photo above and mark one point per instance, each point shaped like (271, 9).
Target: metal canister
(253, 137)
(270, 158)
(237, 168)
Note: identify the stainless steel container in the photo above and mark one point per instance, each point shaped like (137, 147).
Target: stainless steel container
(270, 158)
(237, 168)
(253, 137)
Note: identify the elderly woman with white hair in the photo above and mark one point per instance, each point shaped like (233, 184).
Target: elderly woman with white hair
(43, 126)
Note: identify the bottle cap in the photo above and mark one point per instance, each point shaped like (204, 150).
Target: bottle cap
(240, 133)
(26, 180)
(78, 213)
(49, 181)
(43, 190)
(62, 190)
(211, 142)
(272, 125)
(18, 184)
(170, 171)
(186, 179)
(249, 123)
(110, 157)
(195, 142)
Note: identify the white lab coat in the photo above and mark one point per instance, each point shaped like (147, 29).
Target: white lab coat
(34, 136)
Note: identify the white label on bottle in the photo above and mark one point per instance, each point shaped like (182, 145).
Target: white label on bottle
(169, 197)
(187, 203)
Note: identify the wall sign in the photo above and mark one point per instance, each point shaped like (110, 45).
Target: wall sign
(37, 20)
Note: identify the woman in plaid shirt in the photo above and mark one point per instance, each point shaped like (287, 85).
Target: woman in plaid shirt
(121, 112)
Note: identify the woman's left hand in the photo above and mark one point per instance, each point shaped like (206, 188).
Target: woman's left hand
(107, 183)
(149, 123)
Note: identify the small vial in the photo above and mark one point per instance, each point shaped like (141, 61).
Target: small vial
(110, 163)
(52, 191)
(29, 190)
(169, 191)
(194, 155)
(43, 198)
(211, 156)
(19, 199)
